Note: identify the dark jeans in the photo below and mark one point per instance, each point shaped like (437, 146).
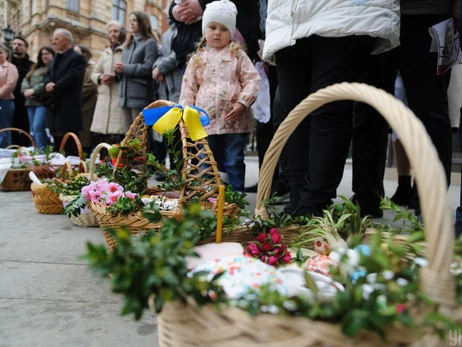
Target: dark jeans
(231, 148)
(324, 137)
(426, 96)
(6, 121)
(37, 117)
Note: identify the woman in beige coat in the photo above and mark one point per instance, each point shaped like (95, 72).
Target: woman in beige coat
(108, 120)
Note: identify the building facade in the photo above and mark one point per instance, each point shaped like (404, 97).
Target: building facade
(86, 19)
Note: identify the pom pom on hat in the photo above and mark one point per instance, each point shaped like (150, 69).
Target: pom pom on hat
(223, 12)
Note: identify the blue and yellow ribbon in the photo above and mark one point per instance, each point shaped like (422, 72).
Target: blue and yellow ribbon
(167, 117)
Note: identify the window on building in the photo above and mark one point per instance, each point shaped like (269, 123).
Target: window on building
(72, 5)
(119, 8)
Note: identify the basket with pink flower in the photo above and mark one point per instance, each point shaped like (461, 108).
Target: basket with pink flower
(197, 177)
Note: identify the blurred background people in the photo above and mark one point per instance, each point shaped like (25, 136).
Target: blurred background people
(108, 122)
(21, 60)
(89, 96)
(135, 70)
(33, 88)
(8, 81)
(64, 80)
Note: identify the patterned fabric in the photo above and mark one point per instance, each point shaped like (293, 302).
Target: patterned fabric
(320, 264)
(215, 79)
(243, 274)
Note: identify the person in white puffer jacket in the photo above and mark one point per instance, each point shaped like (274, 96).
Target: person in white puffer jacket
(315, 44)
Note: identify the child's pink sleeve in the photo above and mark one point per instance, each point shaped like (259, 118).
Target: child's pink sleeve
(189, 86)
(250, 80)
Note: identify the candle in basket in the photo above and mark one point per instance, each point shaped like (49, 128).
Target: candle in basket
(221, 203)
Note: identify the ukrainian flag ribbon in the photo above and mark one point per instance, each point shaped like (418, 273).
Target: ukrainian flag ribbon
(167, 117)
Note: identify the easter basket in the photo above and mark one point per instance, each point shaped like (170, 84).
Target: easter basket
(86, 218)
(182, 325)
(47, 201)
(47, 170)
(17, 179)
(199, 181)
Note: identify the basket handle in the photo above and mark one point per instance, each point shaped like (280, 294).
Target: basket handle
(77, 142)
(22, 132)
(437, 281)
(23, 149)
(94, 156)
(66, 166)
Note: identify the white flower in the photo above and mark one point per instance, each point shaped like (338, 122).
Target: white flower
(367, 290)
(382, 300)
(456, 269)
(289, 305)
(402, 282)
(388, 275)
(422, 262)
(372, 278)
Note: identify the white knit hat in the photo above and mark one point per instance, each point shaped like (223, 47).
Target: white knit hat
(223, 12)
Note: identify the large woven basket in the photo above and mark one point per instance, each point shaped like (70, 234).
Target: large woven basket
(186, 325)
(50, 171)
(17, 179)
(205, 176)
(47, 201)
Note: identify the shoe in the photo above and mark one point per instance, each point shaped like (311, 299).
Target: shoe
(377, 213)
(402, 196)
(160, 176)
(251, 189)
(404, 192)
(280, 191)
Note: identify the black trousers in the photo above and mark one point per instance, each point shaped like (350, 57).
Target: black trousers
(427, 98)
(319, 146)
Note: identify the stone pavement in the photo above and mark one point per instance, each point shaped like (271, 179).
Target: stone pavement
(48, 296)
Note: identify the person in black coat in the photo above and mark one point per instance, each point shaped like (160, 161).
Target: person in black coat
(64, 80)
(21, 60)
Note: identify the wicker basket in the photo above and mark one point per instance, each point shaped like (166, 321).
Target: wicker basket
(86, 218)
(46, 201)
(51, 171)
(207, 180)
(17, 179)
(186, 325)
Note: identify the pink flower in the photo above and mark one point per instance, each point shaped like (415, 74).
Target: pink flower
(287, 258)
(400, 308)
(263, 258)
(275, 236)
(86, 192)
(213, 200)
(261, 237)
(272, 260)
(112, 197)
(254, 250)
(266, 247)
(130, 195)
(278, 251)
(113, 187)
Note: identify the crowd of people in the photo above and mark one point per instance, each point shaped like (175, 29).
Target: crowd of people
(207, 58)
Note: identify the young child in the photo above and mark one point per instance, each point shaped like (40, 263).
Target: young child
(221, 79)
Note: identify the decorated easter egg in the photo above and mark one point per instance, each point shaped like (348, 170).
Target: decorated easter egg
(320, 264)
(321, 246)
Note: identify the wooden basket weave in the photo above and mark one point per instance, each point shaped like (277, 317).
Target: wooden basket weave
(17, 179)
(204, 175)
(50, 171)
(186, 325)
(47, 201)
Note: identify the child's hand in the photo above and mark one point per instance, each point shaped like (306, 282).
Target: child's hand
(237, 111)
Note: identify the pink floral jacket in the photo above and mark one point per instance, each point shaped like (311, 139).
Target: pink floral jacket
(215, 79)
